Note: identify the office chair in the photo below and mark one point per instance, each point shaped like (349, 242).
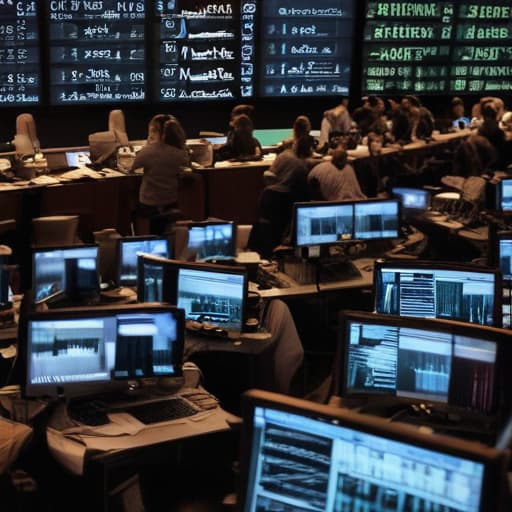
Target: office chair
(243, 231)
(288, 353)
(55, 230)
(26, 140)
(116, 124)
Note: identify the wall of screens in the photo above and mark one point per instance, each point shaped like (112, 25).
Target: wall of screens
(202, 57)
(424, 47)
(107, 51)
(19, 53)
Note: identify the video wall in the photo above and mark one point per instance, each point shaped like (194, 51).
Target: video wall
(62, 52)
(72, 52)
(423, 47)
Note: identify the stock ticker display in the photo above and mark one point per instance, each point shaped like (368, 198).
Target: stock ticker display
(19, 53)
(97, 51)
(438, 47)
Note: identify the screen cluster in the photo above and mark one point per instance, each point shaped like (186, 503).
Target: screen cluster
(63, 52)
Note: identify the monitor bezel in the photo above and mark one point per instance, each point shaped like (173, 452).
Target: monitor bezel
(494, 461)
(442, 265)
(119, 254)
(499, 236)
(494, 334)
(62, 293)
(78, 389)
(206, 223)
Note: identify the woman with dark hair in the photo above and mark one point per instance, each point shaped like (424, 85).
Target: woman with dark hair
(301, 128)
(161, 160)
(241, 144)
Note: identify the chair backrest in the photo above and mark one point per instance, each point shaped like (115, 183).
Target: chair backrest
(55, 230)
(243, 232)
(288, 353)
(25, 139)
(117, 124)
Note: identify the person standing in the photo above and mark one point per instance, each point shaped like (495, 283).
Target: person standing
(162, 161)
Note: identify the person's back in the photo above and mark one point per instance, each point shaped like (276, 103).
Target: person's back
(336, 179)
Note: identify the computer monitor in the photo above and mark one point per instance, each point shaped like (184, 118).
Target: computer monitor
(210, 241)
(77, 351)
(322, 223)
(212, 294)
(377, 219)
(423, 360)
(127, 250)
(299, 455)
(69, 272)
(431, 289)
(504, 195)
(413, 200)
(504, 254)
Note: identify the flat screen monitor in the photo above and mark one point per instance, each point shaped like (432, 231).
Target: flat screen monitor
(127, 250)
(504, 195)
(412, 200)
(65, 272)
(20, 81)
(212, 294)
(504, 253)
(425, 360)
(78, 158)
(377, 219)
(299, 455)
(322, 223)
(75, 351)
(430, 289)
(272, 137)
(210, 241)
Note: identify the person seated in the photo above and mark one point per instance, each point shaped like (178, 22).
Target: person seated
(477, 110)
(401, 125)
(460, 120)
(240, 144)
(421, 119)
(336, 121)
(297, 160)
(491, 130)
(369, 117)
(301, 128)
(336, 179)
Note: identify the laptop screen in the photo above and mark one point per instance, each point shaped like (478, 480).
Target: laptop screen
(423, 360)
(301, 456)
(70, 271)
(72, 351)
(213, 296)
(431, 289)
(129, 248)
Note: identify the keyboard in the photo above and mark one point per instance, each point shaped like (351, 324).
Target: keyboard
(87, 411)
(162, 410)
(266, 279)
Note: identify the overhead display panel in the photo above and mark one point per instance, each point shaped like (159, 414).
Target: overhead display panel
(306, 47)
(199, 50)
(97, 51)
(19, 53)
(441, 47)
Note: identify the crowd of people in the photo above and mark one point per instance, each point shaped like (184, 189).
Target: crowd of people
(301, 171)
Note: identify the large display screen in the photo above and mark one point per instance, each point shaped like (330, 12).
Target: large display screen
(306, 47)
(19, 54)
(214, 50)
(441, 47)
(97, 51)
